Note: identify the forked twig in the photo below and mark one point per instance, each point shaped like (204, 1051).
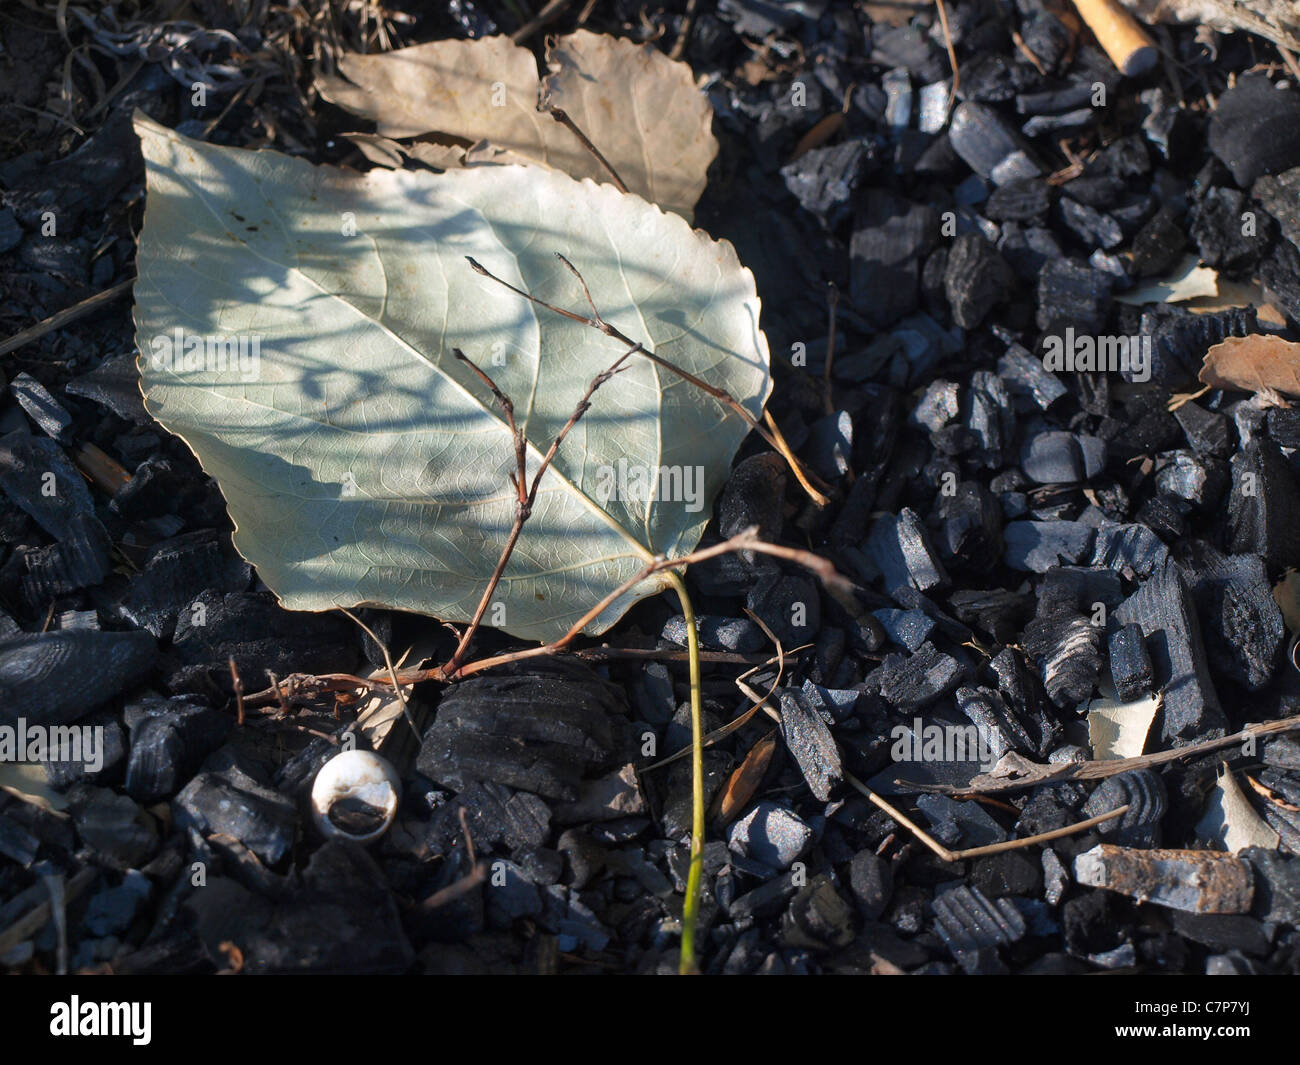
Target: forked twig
(527, 495)
(720, 394)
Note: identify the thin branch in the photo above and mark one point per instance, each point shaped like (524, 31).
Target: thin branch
(832, 305)
(952, 53)
(549, 13)
(392, 671)
(684, 30)
(720, 394)
(527, 496)
(562, 117)
(238, 685)
(978, 852)
(69, 314)
(747, 540)
(1099, 769)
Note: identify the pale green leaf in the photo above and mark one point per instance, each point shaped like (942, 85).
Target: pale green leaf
(361, 462)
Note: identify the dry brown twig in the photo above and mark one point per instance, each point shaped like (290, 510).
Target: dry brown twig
(720, 394)
(455, 668)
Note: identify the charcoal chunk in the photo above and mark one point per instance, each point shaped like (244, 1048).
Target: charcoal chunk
(537, 731)
(169, 740)
(25, 463)
(1067, 647)
(1130, 665)
(54, 678)
(890, 237)
(82, 559)
(261, 819)
(1132, 550)
(987, 142)
(971, 530)
(965, 823)
(1281, 198)
(1143, 792)
(1072, 294)
(968, 922)
(789, 605)
(112, 825)
(1093, 228)
(824, 180)
(1217, 223)
(770, 834)
(496, 814)
(1207, 431)
(1164, 609)
(175, 573)
(977, 278)
(260, 635)
(923, 678)
(872, 882)
(1242, 622)
(811, 743)
(1277, 886)
(1264, 506)
(907, 628)
(41, 407)
(901, 549)
(1023, 200)
(718, 634)
(115, 385)
(1054, 457)
(1158, 244)
(1255, 129)
(1037, 546)
(818, 917)
(1025, 376)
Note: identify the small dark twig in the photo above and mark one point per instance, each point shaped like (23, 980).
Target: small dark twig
(832, 306)
(549, 13)
(720, 394)
(562, 117)
(684, 31)
(238, 685)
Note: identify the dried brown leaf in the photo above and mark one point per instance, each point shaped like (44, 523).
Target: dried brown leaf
(641, 109)
(1253, 363)
(746, 778)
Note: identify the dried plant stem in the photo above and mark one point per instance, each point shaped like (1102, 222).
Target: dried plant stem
(527, 495)
(747, 540)
(978, 852)
(562, 117)
(1101, 768)
(66, 316)
(595, 321)
(549, 13)
(952, 52)
(392, 670)
(832, 305)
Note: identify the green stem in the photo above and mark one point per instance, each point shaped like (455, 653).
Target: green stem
(690, 909)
